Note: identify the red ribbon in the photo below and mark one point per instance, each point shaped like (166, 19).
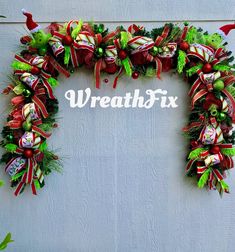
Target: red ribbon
(28, 176)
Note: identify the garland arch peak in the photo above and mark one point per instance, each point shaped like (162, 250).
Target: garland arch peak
(199, 57)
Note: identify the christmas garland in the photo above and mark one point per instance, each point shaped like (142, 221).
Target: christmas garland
(200, 58)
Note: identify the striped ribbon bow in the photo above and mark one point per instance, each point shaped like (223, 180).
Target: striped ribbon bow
(167, 50)
(17, 164)
(211, 133)
(207, 161)
(58, 47)
(33, 80)
(207, 81)
(110, 54)
(207, 53)
(30, 113)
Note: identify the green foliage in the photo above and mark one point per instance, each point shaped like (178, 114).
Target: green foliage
(124, 39)
(204, 178)
(1, 183)
(224, 186)
(222, 68)
(181, 61)
(231, 90)
(50, 162)
(127, 66)
(66, 55)
(18, 175)
(228, 151)
(191, 71)
(150, 71)
(158, 31)
(214, 40)
(77, 29)
(19, 89)
(11, 147)
(16, 65)
(194, 36)
(53, 82)
(6, 241)
(195, 153)
(43, 146)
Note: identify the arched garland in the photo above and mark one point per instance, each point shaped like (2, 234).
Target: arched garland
(201, 59)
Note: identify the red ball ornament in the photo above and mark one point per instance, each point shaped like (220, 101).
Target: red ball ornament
(67, 40)
(135, 75)
(215, 149)
(194, 143)
(28, 153)
(35, 70)
(111, 68)
(122, 54)
(207, 68)
(184, 46)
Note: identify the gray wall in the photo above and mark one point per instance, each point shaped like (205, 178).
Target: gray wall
(123, 187)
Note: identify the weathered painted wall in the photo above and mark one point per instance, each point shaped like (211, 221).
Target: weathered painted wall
(123, 188)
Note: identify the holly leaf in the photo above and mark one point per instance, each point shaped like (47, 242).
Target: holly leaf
(195, 153)
(203, 179)
(5, 242)
(228, 151)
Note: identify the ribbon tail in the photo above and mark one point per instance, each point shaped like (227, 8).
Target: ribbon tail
(40, 132)
(33, 187)
(20, 185)
(48, 88)
(158, 67)
(231, 99)
(58, 67)
(74, 57)
(97, 70)
(116, 78)
(127, 66)
(197, 96)
(40, 105)
(29, 177)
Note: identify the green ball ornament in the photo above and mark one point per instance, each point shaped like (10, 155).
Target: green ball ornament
(218, 85)
(72, 71)
(27, 126)
(42, 51)
(10, 138)
(26, 93)
(222, 116)
(154, 51)
(99, 52)
(100, 28)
